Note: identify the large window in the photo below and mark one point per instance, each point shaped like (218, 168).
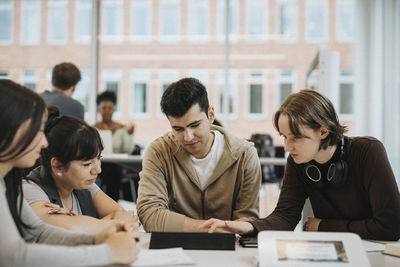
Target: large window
(57, 21)
(198, 20)
(82, 89)
(346, 92)
(141, 21)
(286, 82)
(140, 97)
(30, 18)
(233, 20)
(256, 94)
(112, 21)
(316, 20)
(286, 20)
(6, 22)
(83, 21)
(232, 92)
(256, 19)
(29, 78)
(345, 20)
(169, 20)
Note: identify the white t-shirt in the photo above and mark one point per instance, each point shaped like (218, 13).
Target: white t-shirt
(205, 166)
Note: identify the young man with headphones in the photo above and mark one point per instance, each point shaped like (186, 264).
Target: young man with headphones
(349, 181)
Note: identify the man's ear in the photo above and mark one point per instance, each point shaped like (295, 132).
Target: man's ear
(323, 132)
(56, 166)
(211, 114)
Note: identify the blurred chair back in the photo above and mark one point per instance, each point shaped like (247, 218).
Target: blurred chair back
(265, 148)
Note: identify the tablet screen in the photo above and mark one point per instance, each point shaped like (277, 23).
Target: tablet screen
(311, 250)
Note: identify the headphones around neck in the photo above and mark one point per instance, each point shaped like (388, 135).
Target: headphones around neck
(336, 175)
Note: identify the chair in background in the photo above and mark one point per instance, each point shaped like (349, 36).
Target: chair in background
(265, 148)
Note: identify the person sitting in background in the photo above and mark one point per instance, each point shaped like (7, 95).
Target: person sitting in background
(121, 141)
(197, 171)
(67, 175)
(122, 135)
(22, 116)
(348, 180)
(65, 78)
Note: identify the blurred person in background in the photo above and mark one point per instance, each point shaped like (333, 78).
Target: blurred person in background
(117, 138)
(65, 77)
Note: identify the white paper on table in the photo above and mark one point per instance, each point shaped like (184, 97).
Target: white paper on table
(373, 246)
(162, 257)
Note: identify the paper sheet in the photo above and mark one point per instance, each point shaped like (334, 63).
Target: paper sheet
(373, 246)
(162, 257)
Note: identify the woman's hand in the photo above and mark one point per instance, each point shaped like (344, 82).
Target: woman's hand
(238, 227)
(56, 209)
(122, 240)
(130, 127)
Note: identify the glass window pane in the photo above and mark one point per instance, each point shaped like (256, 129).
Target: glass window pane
(139, 98)
(233, 19)
(6, 21)
(285, 90)
(257, 17)
(141, 21)
(345, 20)
(198, 19)
(316, 20)
(57, 20)
(83, 21)
(30, 22)
(346, 98)
(4, 74)
(256, 97)
(169, 20)
(29, 78)
(112, 21)
(82, 89)
(287, 20)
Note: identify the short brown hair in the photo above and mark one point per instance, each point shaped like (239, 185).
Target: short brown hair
(65, 75)
(312, 109)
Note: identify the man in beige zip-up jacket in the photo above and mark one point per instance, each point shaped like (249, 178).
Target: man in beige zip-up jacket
(172, 196)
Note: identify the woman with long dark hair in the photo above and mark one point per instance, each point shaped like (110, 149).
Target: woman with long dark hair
(66, 178)
(22, 118)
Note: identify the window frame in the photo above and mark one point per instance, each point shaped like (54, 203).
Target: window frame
(325, 23)
(263, 81)
(140, 76)
(8, 7)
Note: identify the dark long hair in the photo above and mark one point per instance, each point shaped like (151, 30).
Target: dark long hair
(18, 104)
(69, 139)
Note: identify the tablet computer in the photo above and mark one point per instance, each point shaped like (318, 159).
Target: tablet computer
(282, 248)
(203, 241)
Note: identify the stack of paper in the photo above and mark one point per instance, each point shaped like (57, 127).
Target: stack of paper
(163, 257)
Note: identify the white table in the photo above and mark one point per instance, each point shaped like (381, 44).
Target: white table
(246, 257)
(125, 158)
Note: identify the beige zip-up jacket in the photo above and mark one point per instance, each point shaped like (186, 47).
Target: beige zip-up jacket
(169, 188)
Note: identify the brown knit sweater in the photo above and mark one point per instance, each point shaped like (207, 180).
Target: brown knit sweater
(368, 204)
